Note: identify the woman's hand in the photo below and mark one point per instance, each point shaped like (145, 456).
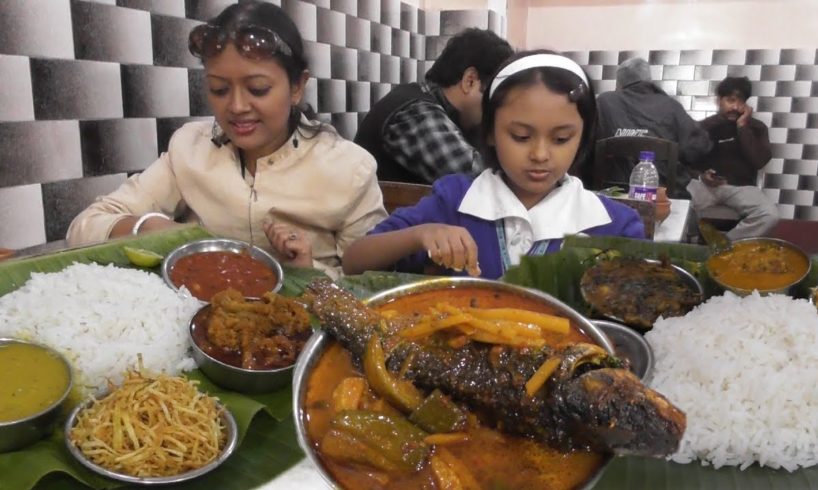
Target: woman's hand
(450, 246)
(157, 223)
(291, 243)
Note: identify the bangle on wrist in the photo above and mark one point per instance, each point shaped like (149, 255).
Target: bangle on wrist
(145, 217)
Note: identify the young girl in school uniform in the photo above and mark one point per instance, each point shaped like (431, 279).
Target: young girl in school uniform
(538, 121)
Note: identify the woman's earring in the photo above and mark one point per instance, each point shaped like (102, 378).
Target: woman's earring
(295, 115)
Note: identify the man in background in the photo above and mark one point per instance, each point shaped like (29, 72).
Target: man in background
(421, 131)
(741, 148)
(638, 107)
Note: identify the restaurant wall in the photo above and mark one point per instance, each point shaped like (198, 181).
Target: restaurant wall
(693, 45)
(92, 90)
(667, 24)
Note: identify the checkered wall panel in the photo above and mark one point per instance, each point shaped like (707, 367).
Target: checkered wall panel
(93, 89)
(785, 97)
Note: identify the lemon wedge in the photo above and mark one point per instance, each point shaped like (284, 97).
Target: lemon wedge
(143, 258)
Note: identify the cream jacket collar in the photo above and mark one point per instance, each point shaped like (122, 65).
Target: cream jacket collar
(568, 209)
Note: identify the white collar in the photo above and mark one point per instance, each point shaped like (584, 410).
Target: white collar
(566, 210)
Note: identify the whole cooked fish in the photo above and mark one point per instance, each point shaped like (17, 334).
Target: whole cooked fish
(588, 403)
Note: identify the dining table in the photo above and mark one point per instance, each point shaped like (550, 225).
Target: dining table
(674, 227)
(295, 471)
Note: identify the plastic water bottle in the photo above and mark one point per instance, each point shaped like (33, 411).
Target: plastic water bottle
(644, 178)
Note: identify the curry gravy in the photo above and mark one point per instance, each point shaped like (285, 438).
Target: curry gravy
(496, 460)
(758, 265)
(33, 380)
(207, 273)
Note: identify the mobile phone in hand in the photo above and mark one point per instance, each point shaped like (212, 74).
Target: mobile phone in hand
(713, 176)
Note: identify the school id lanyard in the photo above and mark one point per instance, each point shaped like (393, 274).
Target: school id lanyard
(538, 248)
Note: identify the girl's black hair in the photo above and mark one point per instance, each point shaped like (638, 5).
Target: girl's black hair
(273, 17)
(557, 80)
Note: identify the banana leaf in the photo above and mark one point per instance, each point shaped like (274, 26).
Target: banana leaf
(15, 272)
(371, 282)
(267, 447)
(558, 274)
(690, 257)
(268, 442)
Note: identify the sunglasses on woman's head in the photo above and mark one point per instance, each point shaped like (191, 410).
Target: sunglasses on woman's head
(252, 42)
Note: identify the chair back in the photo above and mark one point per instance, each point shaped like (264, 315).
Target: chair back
(402, 194)
(615, 157)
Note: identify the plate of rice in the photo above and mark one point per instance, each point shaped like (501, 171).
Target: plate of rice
(101, 318)
(743, 370)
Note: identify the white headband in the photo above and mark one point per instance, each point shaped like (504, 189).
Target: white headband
(537, 61)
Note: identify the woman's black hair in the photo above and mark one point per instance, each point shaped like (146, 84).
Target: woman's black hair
(274, 18)
(555, 79)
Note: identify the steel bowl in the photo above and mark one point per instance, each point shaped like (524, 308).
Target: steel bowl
(688, 278)
(220, 245)
(230, 445)
(782, 290)
(631, 345)
(250, 381)
(17, 434)
(321, 340)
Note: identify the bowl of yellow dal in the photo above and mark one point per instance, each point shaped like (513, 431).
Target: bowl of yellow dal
(36, 383)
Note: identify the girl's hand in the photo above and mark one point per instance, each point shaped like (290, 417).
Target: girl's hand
(291, 243)
(450, 246)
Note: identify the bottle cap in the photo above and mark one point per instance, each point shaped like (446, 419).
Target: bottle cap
(647, 155)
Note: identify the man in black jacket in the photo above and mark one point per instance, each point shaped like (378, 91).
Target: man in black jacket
(638, 107)
(730, 170)
(420, 131)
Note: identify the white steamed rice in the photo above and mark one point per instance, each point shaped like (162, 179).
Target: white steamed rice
(100, 318)
(745, 370)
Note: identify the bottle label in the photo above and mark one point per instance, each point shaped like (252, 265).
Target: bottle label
(643, 193)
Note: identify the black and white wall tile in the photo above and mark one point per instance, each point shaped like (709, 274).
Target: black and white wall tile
(93, 89)
(785, 98)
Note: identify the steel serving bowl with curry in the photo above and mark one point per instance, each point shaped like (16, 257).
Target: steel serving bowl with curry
(36, 381)
(249, 345)
(458, 383)
(206, 267)
(767, 265)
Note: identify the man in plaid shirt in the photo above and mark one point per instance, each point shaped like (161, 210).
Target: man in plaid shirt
(420, 131)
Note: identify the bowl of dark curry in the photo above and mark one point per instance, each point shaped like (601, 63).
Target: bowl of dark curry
(249, 345)
(206, 267)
